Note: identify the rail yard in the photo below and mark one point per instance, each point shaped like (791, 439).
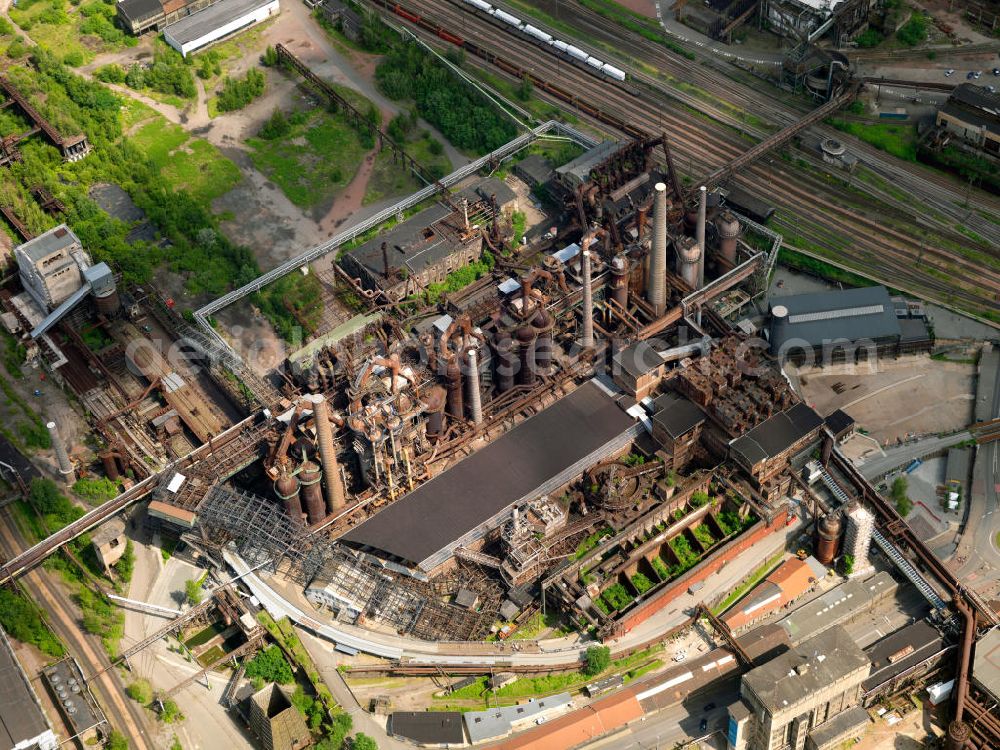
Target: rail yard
(536, 465)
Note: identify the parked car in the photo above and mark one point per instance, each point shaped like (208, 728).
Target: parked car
(969, 76)
(977, 74)
(950, 72)
(703, 727)
(710, 707)
(996, 71)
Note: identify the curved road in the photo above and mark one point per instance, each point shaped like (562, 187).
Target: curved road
(977, 559)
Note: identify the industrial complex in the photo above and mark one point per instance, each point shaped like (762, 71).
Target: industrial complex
(527, 483)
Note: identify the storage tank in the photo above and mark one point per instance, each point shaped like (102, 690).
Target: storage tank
(729, 230)
(543, 325)
(286, 487)
(526, 342)
(312, 493)
(619, 280)
(453, 376)
(688, 258)
(828, 531)
(435, 402)
(506, 364)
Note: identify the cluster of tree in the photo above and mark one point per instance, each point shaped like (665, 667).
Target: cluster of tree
(236, 93)
(465, 117)
(642, 583)
(269, 665)
(208, 64)
(192, 591)
(276, 126)
(903, 502)
(99, 21)
(596, 660)
(125, 566)
(914, 31)
(616, 597)
(461, 278)
(168, 74)
(54, 507)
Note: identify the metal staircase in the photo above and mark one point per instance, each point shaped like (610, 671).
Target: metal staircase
(908, 570)
(834, 487)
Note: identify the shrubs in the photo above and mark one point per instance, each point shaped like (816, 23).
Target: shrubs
(96, 491)
(125, 566)
(698, 499)
(642, 583)
(276, 126)
(140, 691)
(192, 591)
(616, 597)
(465, 117)
(236, 93)
(661, 568)
(167, 75)
(914, 31)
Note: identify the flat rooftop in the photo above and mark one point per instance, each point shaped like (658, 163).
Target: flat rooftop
(828, 317)
(776, 434)
(21, 717)
(197, 25)
(465, 500)
(900, 651)
(836, 606)
(805, 669)
(986, 665)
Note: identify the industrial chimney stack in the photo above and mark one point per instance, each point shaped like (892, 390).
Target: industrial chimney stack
(65, 467)
(656, 284)
(587, 340)
(700, 236)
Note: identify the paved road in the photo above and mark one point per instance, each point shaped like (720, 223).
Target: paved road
(877, 466)
(552, 652)
(977, 559)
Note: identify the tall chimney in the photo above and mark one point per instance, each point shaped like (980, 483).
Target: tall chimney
(475, 397)
(656, 284)
(587, 340)
(465, 212)
(385, 259)
(65, 467)
(700, 236)
(328, 454)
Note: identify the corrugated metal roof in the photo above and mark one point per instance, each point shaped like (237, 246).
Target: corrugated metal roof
(826, 317)
(197, 25)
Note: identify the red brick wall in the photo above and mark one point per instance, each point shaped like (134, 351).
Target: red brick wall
(708, 567)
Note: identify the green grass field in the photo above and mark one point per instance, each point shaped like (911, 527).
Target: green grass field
(316, 159)
(893, 138)
(188, 163)
(76, 32)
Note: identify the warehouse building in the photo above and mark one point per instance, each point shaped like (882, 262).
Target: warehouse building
(789, 700)
(785, 584)
(973, 114)
(22, 723)
(427, 728)
(986, 665)
(139, 16)
(848, 325)
(899, 659)
(432, 244)
(217, 22)
(423, 528)
(51, 266)
(838, 606)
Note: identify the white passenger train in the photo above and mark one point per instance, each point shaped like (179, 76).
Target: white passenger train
(575, 52)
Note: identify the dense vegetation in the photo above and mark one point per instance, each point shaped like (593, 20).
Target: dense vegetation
(900, 497)
(465, 117)
(96, 491)
(269, 665)
(169, 74)
(293, 304)
(461, 278)
(25, 622)
(207, 259)
(236, 93)
(596, 660)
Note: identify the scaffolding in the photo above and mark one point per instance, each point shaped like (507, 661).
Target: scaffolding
(264, 536)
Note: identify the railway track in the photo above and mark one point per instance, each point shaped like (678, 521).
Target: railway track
(917, 265)
(939, 192)
(124, 715)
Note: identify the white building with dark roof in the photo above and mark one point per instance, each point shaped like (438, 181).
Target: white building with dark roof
(51, 266)
(216, 22)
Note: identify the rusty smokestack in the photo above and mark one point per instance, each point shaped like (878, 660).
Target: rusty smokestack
(656, 284)
(587, 339)
(619, 280)
(286, 487)
(312, 494)
(475, 396)
(65, 467)
(435, 412)
(385, 259)
(465, 213)
(700, 235)
(328, 454)
(505, 363)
